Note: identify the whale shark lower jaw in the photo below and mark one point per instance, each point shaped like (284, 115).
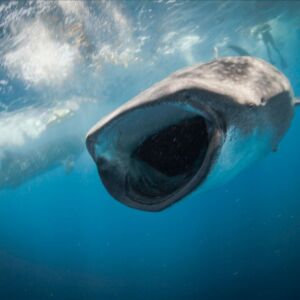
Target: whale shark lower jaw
(151, 156)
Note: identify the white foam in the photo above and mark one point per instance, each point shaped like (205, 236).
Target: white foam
(173, 43)
(122, 48)
(76, 8)
(38, 58)
(19, 127)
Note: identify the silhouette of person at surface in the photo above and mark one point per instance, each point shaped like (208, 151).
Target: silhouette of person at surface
(264, 31)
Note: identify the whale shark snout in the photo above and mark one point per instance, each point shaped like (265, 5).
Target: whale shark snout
(197, 128)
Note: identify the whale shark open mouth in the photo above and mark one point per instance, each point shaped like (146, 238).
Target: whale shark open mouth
(151, 156)
(207, 121)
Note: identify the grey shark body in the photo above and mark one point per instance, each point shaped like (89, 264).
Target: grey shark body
(35, 140)
(195, 129)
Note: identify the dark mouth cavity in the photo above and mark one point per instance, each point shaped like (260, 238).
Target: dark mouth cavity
(175, 150)
(167, 160)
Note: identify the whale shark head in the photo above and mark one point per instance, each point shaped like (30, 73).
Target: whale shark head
(160, 146)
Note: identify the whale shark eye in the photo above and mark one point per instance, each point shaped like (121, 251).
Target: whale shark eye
(174, 150)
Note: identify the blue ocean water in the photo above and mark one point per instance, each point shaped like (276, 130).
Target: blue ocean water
(62, 236)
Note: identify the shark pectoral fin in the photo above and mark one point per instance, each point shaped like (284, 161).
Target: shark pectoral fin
(297, 101)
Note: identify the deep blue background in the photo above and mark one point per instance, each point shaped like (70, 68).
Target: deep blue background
(67, 239)
(63, 237)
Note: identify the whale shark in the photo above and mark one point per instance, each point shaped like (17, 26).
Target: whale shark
(194, 130)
